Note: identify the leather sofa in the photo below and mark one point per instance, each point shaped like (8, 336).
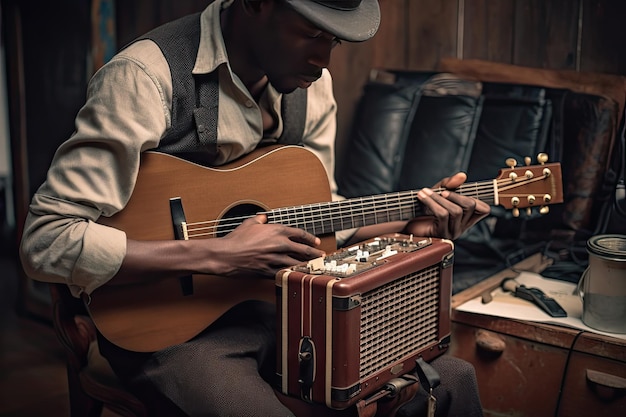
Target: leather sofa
(412, 128)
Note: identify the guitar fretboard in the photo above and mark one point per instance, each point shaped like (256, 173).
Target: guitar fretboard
(324, 218)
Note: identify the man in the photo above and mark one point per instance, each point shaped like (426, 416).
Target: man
(257, 51)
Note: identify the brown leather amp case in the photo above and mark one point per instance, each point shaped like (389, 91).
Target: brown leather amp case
(355, 319)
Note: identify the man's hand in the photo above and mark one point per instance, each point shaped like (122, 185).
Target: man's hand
(262, 248)
(451, 214)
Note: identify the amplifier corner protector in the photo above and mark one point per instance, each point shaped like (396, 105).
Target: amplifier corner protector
(448, 260)
(445, 342)
(346, 303)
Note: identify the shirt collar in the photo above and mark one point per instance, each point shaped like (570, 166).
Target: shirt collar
(212, 50)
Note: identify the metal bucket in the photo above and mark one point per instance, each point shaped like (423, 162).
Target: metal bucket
(602, 286)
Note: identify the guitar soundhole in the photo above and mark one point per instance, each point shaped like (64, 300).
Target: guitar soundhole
(235, 216)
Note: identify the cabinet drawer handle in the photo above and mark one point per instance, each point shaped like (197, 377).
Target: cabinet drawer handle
(489, 343)
(606, 386)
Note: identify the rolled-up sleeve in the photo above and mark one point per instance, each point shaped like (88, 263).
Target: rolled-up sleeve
(93, 174)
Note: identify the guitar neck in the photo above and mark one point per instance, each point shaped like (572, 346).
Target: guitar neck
(325, 218)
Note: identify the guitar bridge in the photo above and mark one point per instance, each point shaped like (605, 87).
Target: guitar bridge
(179, 222)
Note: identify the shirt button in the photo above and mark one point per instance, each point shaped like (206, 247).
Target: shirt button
(249, 104)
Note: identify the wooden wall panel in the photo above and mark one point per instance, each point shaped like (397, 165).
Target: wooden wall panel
(388, 47)
(602, 36)
(431, 32)
(545, 33)
(488, 30)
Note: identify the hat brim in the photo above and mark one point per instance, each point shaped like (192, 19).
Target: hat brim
(355, 25)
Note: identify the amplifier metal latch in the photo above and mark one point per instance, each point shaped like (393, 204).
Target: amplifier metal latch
(306, 358)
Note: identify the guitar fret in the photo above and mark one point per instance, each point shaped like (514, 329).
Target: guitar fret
(299, 219)
(360, 219)
(387, 213)
(316, 223)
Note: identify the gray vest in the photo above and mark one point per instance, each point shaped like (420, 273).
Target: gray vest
(193, 134)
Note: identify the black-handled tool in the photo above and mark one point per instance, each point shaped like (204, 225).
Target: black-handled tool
(534, 295)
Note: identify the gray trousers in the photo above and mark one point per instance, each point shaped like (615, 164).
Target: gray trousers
(229, 368)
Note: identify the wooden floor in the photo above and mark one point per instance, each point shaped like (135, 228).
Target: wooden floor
(32, 363)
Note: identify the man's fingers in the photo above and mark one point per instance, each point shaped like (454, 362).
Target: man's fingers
(302, 236)
(440, 206)
(452, 182)
(260, 218)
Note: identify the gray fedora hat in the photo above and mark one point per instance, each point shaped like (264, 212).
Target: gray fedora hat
(350, 20)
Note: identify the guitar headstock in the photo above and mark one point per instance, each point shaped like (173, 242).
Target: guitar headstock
(530, 185)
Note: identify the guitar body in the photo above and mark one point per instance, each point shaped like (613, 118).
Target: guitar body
(151, 316)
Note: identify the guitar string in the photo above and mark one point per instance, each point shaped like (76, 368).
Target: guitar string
(404, 201)
(365, 203)
(363, 206)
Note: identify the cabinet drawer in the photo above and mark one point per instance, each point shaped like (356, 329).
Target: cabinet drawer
(516, 376)
(594, 386)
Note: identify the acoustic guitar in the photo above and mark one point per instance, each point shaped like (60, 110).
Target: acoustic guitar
(176, 199)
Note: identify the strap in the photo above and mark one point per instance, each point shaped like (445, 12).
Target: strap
(366, 409)
(620, 189)
(393, 395)
(428, 376)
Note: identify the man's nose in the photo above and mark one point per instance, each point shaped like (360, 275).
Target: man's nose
(320, 55)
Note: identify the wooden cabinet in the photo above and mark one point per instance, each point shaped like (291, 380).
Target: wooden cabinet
(535, 370)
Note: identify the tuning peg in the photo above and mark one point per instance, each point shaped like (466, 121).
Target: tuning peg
(515, 203)
(542, 158)
(511, 163)
(529, 211)
(544, 210)
(527, 160)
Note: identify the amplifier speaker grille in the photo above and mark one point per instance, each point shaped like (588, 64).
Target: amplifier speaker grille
(398, 319)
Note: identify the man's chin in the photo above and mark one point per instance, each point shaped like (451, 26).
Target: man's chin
(286, 90)
(290, 86)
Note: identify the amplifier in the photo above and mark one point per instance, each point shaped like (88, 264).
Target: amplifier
(353, 320)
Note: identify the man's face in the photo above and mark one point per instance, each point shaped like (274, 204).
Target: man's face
(290, 50)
